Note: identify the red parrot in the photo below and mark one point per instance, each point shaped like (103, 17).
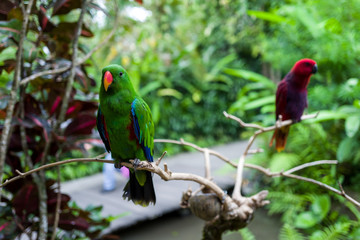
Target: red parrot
(291, 97)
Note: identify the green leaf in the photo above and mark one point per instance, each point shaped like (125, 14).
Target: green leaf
(251, 76)
(155, 110)
(288, 232)
(112, 218)
(149, 88)
(338, 231)
(333, 25)
(268, 16)
(7, 53)
(306, 220)
(352, 124)
(246, 234)
(259, 102)
(283, 161)
(308, 20)
(347, 149)
(170, 92)
(321, 206)
(326, 115)
(222, 63)
(354, 210)
(356, 103)
(10, 27)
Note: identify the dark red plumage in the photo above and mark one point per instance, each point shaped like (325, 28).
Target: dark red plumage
(291, 97)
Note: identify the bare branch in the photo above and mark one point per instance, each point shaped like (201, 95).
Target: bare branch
(267, 172)
(58, 203)
(196, 147)
(160, 158)
(168, 176)
(207, 164)
(22, 175)
(305, 165)
(325, 186)
(237, 189)
(241, 122)
(271, 128)
(289, 174)
(43, 73)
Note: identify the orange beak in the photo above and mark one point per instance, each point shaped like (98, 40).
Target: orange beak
(108, 79)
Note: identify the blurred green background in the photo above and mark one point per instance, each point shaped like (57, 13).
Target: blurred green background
(193, 59)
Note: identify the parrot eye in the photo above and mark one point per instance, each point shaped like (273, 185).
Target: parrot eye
(121, 73)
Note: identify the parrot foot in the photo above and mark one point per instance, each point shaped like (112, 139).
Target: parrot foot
(296, 120)
(118, 164)
(136, 163)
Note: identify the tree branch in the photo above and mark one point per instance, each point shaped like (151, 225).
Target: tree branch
(196, 147)
(58, 203)
(70, 81)
(267, 172)
(22, 175)
(237, 188)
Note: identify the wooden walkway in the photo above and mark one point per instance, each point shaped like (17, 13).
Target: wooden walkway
(87, 191)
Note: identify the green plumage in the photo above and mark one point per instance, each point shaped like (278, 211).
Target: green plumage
(126, 127)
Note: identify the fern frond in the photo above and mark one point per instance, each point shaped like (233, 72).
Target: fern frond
(246, 234)
(284, 201)
(338, 231)
(288, 232)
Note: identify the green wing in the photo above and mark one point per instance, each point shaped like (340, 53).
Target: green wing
(143, 126)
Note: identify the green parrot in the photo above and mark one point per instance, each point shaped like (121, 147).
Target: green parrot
(125, 125)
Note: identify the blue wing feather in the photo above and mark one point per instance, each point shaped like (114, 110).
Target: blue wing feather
(139, 134)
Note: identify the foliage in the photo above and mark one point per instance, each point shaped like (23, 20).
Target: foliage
(246, 234)
(191, 60)
(179, 72)
(289, 232)
(308, 29)
(74, 222)
(50, 33)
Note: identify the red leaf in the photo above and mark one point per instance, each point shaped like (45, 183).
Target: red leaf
(86, 32)
(55, 105)
(52, 201)
(2, 114)
(4, 226)
(78, 106)
(40, 123)
(44, 21)
(8, 65)
(81, 125)
(32, 106)
(5, 8)
(26, 200)
(139, 1)
(70, 222)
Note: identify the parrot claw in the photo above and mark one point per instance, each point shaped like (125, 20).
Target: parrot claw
(118, 164)
(136, 163)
